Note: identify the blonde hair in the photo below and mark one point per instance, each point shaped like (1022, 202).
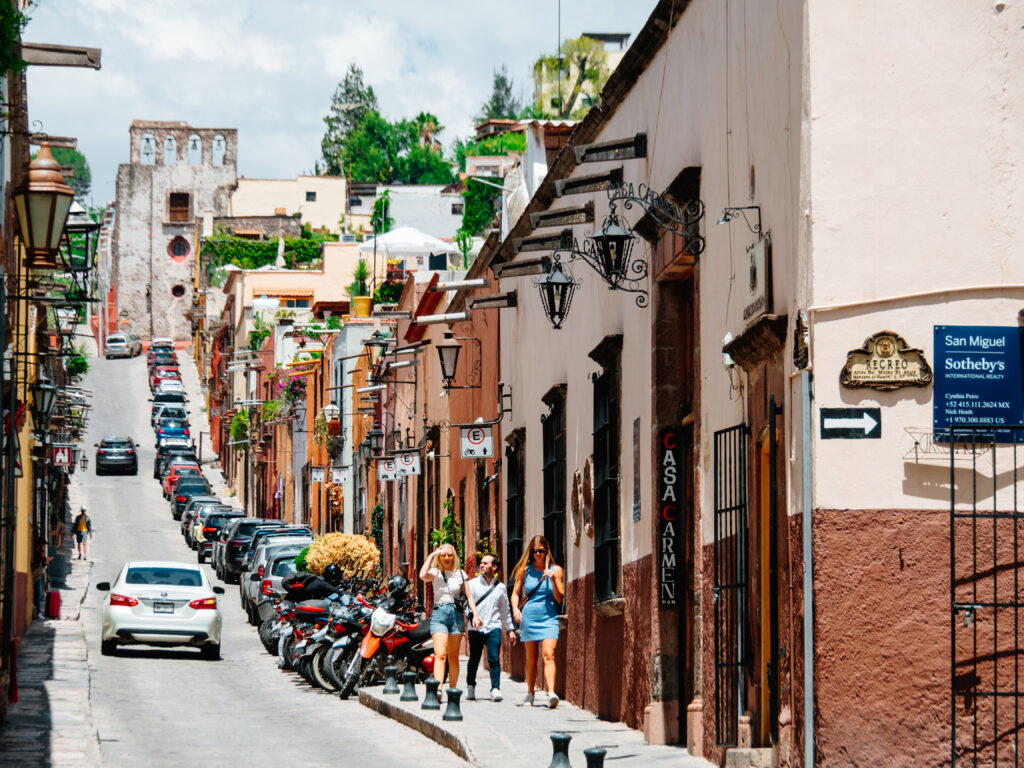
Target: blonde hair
(455, 557)
(527, 556)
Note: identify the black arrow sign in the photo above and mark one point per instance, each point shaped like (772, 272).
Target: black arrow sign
(851, 423)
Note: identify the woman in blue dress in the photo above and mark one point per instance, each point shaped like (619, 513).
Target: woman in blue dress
(538, 591)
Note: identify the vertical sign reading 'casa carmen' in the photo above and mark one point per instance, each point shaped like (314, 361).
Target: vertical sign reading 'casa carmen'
(670, 501)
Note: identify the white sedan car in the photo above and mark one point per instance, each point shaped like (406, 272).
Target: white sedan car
(161, 603)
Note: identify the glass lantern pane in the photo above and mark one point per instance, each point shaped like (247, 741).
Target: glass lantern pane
(40, 208)
(62, 206)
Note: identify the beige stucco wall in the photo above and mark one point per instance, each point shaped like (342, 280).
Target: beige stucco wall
(730, 98)
(915, 188)
(260, 197)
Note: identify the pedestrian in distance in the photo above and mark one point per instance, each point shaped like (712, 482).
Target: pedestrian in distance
(83, 532)
(448, 614)
(492, 606)
(539, 587)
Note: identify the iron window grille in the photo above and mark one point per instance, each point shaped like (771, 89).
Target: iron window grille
(729, 590)
(516, 489)
(607, 430)
(554, 474)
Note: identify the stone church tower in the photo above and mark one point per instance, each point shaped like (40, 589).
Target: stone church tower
(175, 175)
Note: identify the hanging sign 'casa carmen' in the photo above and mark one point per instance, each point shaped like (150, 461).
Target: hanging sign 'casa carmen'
(886, 362)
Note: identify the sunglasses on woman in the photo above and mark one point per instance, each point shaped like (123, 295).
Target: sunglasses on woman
(540, 551)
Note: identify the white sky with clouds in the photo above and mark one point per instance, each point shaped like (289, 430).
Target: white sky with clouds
(269, 68)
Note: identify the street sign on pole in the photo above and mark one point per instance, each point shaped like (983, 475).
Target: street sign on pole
(387, 469)
(851, 423)
(475, 442)
(339, 476)
(408, 463)
(317, 474)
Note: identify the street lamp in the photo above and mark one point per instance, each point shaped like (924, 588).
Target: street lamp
(84, 463)
(42, 203)
(44, 394)
(556, 290)
(376, 436)
(614, 245)
(331, 412)
(448, 353)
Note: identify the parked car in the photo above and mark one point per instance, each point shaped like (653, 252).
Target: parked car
(279, 529)
(161, 603)
(192, 507)
(161, 360)
(167, 428)
(184, 490)
(203, 510)
(218, 518)
(116, 454)
(268, 546)
(228, 556)
(178, 398)
(280, 565)
(178, 469)
(170, 385)
(162, 373)
(168, 411)
(161, 341)
(170, 448)
(121, 345)
(183, 455)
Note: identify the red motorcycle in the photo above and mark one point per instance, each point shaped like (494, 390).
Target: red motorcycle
(386, 640)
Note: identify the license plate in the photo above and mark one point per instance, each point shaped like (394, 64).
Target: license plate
(163, 607)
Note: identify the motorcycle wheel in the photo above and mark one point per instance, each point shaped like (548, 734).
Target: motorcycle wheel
(303, 667)
(287, 651)
(319, 668)
(266, 636)
(336, 664)
(352, 675)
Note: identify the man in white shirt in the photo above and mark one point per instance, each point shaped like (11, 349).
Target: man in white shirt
(492, 607)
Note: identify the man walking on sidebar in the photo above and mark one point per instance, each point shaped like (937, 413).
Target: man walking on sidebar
(492, 607)
(83, 532)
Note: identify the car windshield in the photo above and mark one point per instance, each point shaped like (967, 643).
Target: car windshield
(218, 519)
(180, 577)
(116, 444)
(283, 567)
(173, 423)
(115, 340)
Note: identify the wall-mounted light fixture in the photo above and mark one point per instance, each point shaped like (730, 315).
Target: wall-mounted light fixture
(42, 203)
(556, 291)
(728, 214)
(448, 354)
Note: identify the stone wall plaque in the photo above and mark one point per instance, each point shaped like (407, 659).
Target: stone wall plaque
(886, 362)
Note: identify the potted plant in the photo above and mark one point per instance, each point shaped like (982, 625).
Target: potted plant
(358, 292)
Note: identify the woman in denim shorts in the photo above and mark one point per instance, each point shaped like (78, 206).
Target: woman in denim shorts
(447, 617)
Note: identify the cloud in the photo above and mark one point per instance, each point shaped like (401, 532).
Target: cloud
(269, 69)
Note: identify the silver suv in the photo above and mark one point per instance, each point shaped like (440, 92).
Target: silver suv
(270, 545)
(121, 345)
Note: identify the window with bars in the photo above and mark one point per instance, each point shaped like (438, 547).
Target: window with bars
(515, 468)
(607, 429)
(554, 473)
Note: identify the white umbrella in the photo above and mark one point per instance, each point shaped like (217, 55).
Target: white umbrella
(280, 252)
(407, 241)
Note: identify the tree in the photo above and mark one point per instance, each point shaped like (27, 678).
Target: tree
(502, 105)
(371, 150)
(585, 62)
(81, 182)
(379, 219)
(352, 101)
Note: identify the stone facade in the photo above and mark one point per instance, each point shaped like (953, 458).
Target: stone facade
(175, 174)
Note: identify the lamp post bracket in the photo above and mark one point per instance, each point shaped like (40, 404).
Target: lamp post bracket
(495, 301)
(50, 55)
(522, 267)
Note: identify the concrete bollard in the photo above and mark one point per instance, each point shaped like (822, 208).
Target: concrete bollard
(560, 750)
(390, 683)
(430, 700)
(595, 757)
(409, 691)
(453, 712)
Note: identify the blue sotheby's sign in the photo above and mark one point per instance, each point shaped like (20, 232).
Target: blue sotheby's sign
(977, 377)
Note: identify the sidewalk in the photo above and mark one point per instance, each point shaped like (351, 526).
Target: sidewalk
(51, 725)
(496, 734)
(199, 420)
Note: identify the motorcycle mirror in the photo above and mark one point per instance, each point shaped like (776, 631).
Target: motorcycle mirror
(218, 590)
(103, 586)
(254, 577)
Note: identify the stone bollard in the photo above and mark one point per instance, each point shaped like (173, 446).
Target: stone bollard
(409, 691)
(453, 712)
(560, 747)
(430, 700)
(595, 757)
(390, 683)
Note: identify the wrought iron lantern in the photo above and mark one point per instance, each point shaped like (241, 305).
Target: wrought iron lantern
(614, 247)
(84, 462)
(42, 203)
(448, 353)
(376, 436)
(44, 395)
(556, 291)
(331, 411)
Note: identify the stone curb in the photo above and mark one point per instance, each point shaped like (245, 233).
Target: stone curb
(411, 719)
